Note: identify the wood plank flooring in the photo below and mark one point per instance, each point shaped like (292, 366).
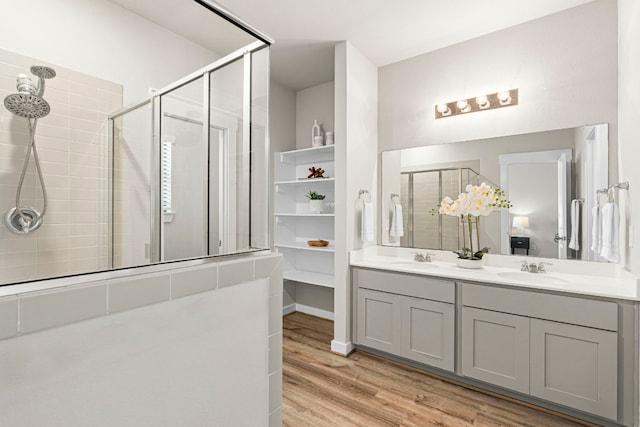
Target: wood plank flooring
(321, 388)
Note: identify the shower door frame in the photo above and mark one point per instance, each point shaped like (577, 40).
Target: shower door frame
(153, 101)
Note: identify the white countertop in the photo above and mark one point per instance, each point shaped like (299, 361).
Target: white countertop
(578, 277)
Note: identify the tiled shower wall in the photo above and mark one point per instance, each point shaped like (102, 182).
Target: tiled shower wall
(72, 145)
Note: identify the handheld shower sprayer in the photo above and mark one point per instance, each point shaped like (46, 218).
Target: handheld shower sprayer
(28, 103)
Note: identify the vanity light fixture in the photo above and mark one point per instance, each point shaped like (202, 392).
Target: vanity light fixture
(490, 101)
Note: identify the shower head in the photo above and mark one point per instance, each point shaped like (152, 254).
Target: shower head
(43, 72)
(27, 105)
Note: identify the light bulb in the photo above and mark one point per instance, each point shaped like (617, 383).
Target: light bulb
(463, 106)
(482, 101)
(504, 97)
(443, 109)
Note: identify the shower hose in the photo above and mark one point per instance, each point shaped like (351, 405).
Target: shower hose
(25, 220)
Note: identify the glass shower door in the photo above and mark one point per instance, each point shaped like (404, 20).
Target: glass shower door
(183, 173)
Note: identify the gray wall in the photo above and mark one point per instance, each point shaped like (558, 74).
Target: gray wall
(564, 65)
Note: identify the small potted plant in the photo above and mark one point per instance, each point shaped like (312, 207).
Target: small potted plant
(316, 201)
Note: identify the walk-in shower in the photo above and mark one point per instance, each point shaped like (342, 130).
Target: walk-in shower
(29, 104)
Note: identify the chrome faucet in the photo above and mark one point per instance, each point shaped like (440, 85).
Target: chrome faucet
(541, 266)
(421, 257)
(533, 267)
(524, 266)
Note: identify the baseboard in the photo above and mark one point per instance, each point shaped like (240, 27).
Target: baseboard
(314, 311)
(341, 348)
(288, 309)
(291, 308)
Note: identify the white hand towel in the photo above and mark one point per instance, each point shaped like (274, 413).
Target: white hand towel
(610, 233)
(574, 243)
(596, 230)
(397, 228)
(367, 232)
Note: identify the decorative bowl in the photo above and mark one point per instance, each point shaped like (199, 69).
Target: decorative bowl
(319, 242)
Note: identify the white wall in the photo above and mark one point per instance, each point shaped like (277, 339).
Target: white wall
(628, 113)
(100, 38)
(193, 343)
(356, 136)
(314, 103)
(564, 65)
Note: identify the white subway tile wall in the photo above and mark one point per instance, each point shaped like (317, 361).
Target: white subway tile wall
(73, 149)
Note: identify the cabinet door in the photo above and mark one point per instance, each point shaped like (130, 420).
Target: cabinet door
(495, 348)
(428, 332)
(575, 366)
(379, 320)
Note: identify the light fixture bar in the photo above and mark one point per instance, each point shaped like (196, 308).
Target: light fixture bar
(490, 101)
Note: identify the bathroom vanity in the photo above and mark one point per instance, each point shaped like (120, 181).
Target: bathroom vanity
(561, 340)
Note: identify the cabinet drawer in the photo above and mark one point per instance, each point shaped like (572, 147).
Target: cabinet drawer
(578, 311)
(406, 284)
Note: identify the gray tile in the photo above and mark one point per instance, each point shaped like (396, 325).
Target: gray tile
(232, 273)
(275, 314)
(49, 309)
(266, 264)
(275, 418)
(138, 291)
(8, 317)
(275, 352)
(275, 391)
(193, 280)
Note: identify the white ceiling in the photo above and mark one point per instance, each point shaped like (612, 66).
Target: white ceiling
(383, 30)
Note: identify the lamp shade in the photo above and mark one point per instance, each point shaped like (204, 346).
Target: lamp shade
(521, 221)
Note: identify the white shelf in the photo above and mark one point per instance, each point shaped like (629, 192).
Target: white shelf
(296, 224)
(328, 215)
(317, 154)
(304, 247)
(305, 181)
(313, 278)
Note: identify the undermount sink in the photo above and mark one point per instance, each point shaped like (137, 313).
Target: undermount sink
(532, 278)
(413, 264)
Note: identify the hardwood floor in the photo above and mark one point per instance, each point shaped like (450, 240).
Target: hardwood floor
(325, 389)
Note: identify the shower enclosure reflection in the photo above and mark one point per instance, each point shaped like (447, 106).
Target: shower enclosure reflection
(422, 190)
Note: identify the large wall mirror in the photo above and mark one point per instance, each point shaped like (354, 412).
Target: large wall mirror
(135, 136)
(546, 176)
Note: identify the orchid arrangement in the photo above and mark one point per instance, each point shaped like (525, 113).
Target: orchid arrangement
(476, 201)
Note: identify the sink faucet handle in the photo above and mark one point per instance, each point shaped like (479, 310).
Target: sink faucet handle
(541, 266)
(524, 266)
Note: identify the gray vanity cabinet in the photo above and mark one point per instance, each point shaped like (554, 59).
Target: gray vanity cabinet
(558, 348)
(495, 348)
(574, 366)
(379, 320)
(406, 315)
